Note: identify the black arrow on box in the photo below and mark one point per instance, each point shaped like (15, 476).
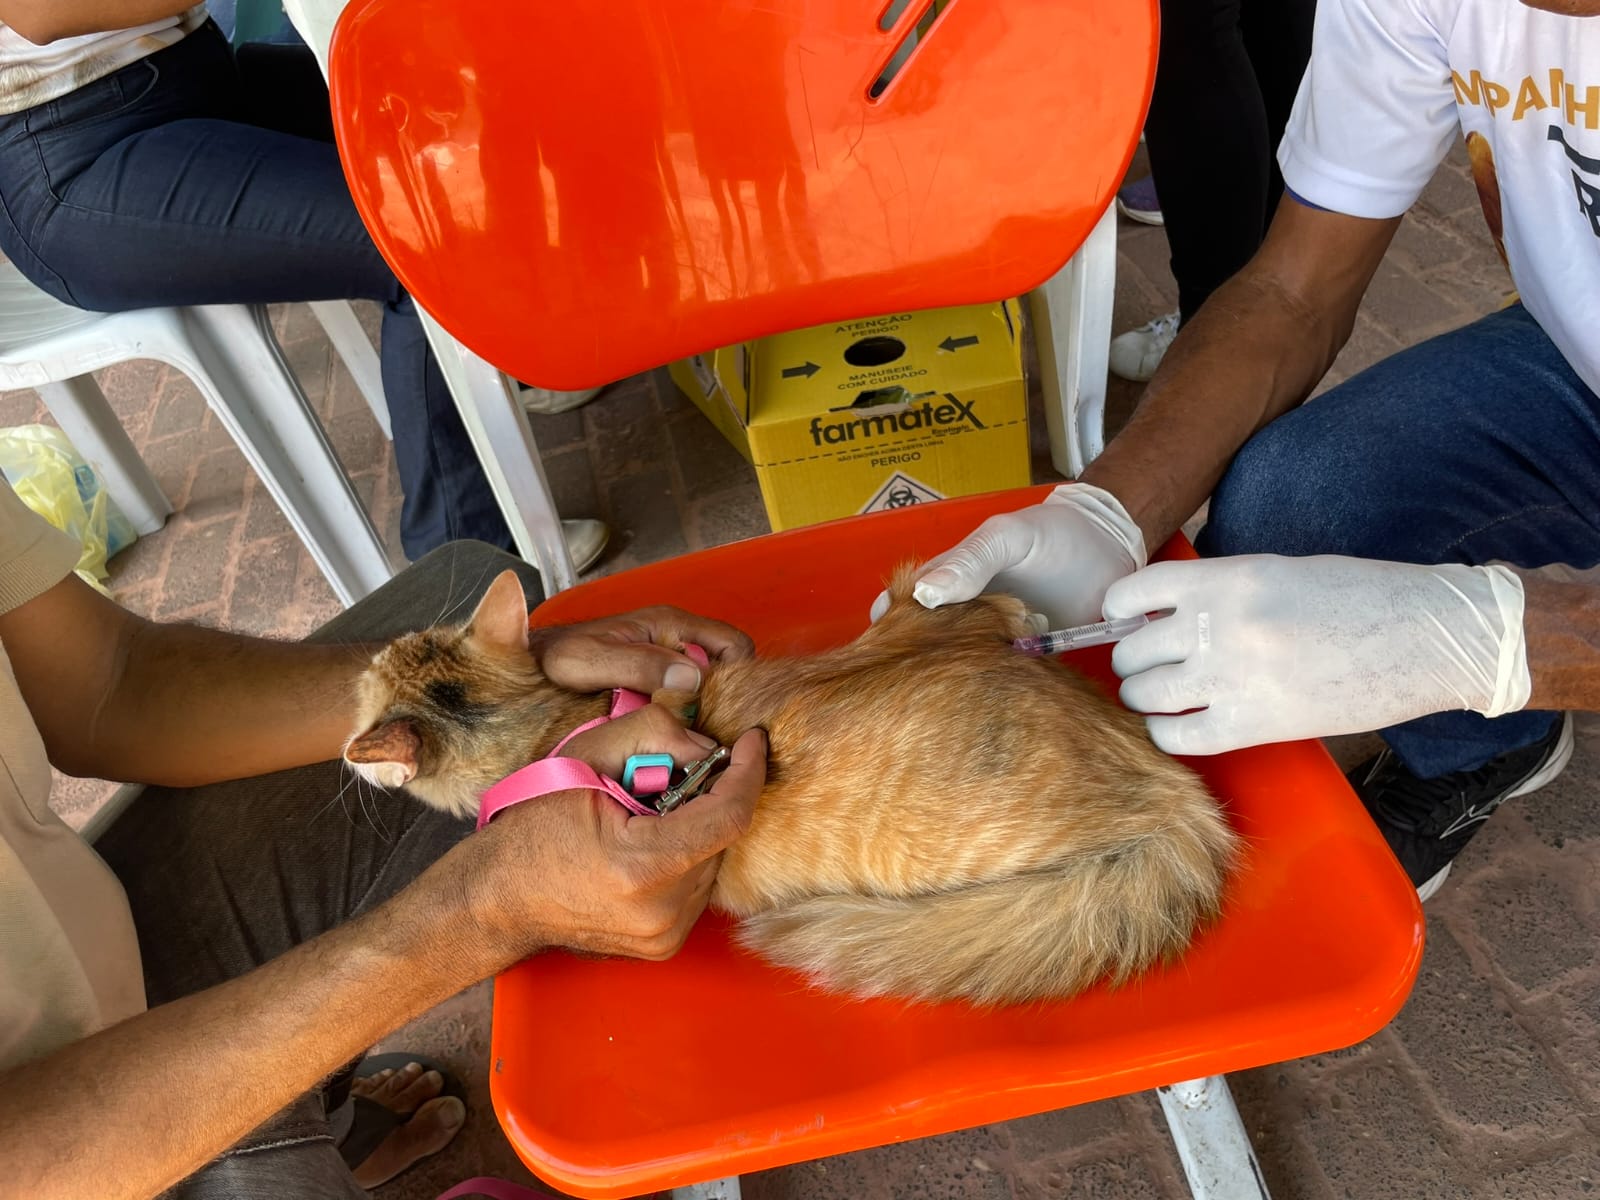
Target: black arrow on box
(808, 370)
(955, 343)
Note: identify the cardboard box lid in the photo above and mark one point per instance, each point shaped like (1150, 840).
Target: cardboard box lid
(828, 367)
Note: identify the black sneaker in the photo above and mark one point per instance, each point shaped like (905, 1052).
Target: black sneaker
(1428, 821)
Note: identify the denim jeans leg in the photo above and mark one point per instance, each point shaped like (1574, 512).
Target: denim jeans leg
(149, 188)
(1480, 445)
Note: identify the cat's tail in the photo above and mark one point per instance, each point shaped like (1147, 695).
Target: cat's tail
(1042, 935)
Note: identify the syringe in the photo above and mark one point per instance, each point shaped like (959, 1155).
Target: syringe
(1059, 641)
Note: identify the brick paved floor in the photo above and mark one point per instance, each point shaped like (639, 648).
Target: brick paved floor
(1488, 1083)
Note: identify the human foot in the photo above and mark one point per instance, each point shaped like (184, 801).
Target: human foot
(407, 1092)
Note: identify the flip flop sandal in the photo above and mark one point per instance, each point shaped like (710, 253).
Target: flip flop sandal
(371, 1122)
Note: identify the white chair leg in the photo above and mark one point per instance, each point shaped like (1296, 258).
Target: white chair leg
(1072, 330)
(354, 347)
(491, 409)
(91, 425)
(717, 1189)
(255, 395)
(1212, 1144)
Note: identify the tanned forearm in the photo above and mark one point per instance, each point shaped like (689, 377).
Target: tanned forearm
(45, 21)
(194, 706)
(1562, 624)
(119, 697)
(131, 1110)
(1258, 348)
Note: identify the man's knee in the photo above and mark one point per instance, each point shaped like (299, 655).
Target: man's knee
(1297, 487)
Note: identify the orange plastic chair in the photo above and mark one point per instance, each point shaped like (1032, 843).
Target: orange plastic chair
(615, 1078)
(583, 190)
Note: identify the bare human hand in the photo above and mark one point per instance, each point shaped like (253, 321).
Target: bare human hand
(576, 869)
(641, 650)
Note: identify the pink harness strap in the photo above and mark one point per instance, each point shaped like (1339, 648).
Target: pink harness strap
(557, 774)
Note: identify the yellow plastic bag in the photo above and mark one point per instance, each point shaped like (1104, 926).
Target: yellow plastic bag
(51, 478)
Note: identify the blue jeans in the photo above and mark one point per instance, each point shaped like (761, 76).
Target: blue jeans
(188, 178)
(1479, 445)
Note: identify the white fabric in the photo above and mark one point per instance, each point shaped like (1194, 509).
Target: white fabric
(1262, 648)
(69, 958)
(1391, 85)
(31, 74)
(1058, 557)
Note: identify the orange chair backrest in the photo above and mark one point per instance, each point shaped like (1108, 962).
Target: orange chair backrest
(579, 190)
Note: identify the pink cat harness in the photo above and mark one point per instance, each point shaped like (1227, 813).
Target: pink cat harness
(556, 774)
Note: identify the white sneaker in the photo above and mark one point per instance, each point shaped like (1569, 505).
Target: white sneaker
(586, 541)
(1136, 354)
(543, 402)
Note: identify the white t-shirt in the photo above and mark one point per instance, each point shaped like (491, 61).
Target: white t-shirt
(1391, 82)
(31, 74)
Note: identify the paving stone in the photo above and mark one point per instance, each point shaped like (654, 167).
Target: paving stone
(131, 389)
(265, 586)
(727, 517)
(940, 1168)
(19, 408)
(669, 399)
(264, 518)
(357, 440)
(1374, 1133)
(218, 485)
(1144, 248)
(1404, 306)
(644, 515)
(179, 408)
(624, 431)
(1462, 1037)
(172, 461)
(1425, 243)
(707, 461)
(196, 573)
(559, 431)
(1124, 1177)
(1571, 1175)
(1531, 924)
(572, 482)
(141, 563)
(1568, 809)
(1568, 1020)
(1051, 1134)
(1451, 190)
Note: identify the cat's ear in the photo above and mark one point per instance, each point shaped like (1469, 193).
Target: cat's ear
(389, 751)
(501, 618)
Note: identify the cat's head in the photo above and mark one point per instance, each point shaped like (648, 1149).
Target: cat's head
(446, 712)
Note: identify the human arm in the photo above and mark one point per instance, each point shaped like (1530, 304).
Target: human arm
(1261, 648)
(1257, 348)
(45, 21)
(132, 1109)
(119, 697)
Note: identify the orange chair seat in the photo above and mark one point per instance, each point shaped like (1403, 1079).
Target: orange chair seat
(613, 1078)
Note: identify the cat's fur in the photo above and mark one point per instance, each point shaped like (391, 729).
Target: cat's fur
(943, 816)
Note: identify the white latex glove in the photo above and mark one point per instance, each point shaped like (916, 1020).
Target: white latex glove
(1273, 649)
(1058, 557)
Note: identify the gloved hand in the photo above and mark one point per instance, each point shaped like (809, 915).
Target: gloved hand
(1058, 557)
(1273, 649)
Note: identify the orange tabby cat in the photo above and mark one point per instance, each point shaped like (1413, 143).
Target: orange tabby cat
(943, 816)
